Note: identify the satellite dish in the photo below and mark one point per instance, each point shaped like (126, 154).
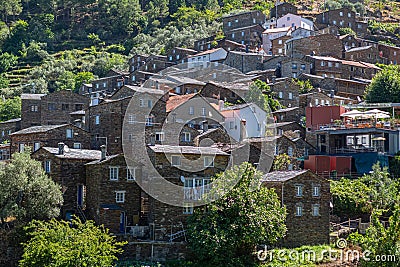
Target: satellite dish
(182, 179)
(66, 148)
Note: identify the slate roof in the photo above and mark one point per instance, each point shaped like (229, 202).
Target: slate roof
(75, 153)
(38, 129)
(99, 161)
(12, 120)
(359, 48)
(167, 149)
(145, 90)
(207, 52)
(236, 107)
(285, 110)
(281, 176)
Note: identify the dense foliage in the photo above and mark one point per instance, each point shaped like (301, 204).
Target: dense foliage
(366, 194)
(26, 192)
(385, 86)
(261, 94)
(60, 243)
(226, 231)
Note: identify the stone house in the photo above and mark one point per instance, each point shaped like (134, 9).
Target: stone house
(284, 145)
(307, 200)
(369, 54)
(36, 137)
(56, 107)
(31, 110)
(245, 62)
(330, 29)
(217, 135)
(148, 66)
(7, 128)
(295, 22)
(204, 44)
(278, 45)
(179, 85)
(281, 128)
(287, 114)
(282, 8)
(249, 35)
(318, 45)
(5, 152)
(270, 34)
(229, 92)
(66, 167)
(302, 33)
(105, 121)
(106, 86)
(241, 20)
(314, 99)
(137, 61)
(349, 41)
(114, 199)
(391, 53)
(286, 91)
(354, 69)
(190, 167)
(294, 67)
(178, 55)
(325, 66)
(343, 18)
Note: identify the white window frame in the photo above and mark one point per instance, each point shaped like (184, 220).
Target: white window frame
(187, 208)
(36, 146)
(299, 190)
(114, 173)
(315, 210)
(69, 133)
(203, 111)
(131, 174)
(97, 120)
(290, 151)
(77, 146)
(131, 119)
(21, 147)
(47, 166)
(280, 95)
(191, 110)
(291, 95)
(299, 210)
(187, 137)
(120, 196)
(160, 136)
(316, 192)
(208, 161)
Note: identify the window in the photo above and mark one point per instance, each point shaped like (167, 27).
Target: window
(70, 133)
(242, 33)
(280, 94)
(78, 107)
(299, 210)
(104, 85)
(330, 64)
(159, 136)
(65, 106)
(141, 103)
(47, 166)
(337, 65)
(203, 111)
(21, 148)
(359, 26)
(131, 174)
(279, 41)
(175, 160)
(186, 137)
(291, 94)
(131, 119)
(315, 210)
(288, 18)
(114, 172)
(341, 13)
(120, 196)
(290, 151)
(334, 22)
(149, 120)
(233, 35)
(229, 23)
(51, 106)
(77, 146)
(316, 102)
(363, 140)
(170, 58)
(191, 110)
(349, 15)
(34, 108)
(294, 66)
(280, 51)
(208, 161)
(36, 146)
(303, 66)
(299, 190)
(187, 208)
(316, 192)
(322, 63)
(97, 119)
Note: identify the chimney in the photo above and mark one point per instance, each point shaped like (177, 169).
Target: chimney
(221, 104)
(205, 126)
(103, 149)
(243, 132)
(61, 148)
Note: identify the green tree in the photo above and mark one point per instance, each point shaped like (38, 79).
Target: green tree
(260, 94)
(344, 31)
(10, 109)
(19, 35)
(385, 86)
(380, 240)
(82, 77)
(26, 192)
(281, 162)
(66, 81)
(226, 231)
(10, 8)
(305, 86)
(69, 244)
(7, 61)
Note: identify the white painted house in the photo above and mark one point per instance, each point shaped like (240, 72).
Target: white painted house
(244, 121)
(217, 54)
(270, 34)
(294, 21)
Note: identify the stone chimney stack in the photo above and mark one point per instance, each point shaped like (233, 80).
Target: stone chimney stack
(205, 126)
(103, 149)
(61, 148)
(221, 104)
(243, 131)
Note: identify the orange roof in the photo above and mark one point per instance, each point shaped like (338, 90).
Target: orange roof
(175, 101)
